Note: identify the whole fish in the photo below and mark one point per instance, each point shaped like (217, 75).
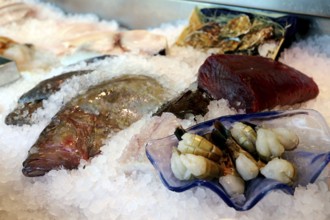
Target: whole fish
(78, 130)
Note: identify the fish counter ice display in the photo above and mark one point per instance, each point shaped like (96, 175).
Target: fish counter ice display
(97, 113)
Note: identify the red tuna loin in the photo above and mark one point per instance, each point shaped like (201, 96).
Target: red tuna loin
(254, 83)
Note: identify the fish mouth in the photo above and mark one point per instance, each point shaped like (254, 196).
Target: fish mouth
(34, 171)
(35, 165)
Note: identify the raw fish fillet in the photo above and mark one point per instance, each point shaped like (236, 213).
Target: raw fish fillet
(78, 130)
(254, 83)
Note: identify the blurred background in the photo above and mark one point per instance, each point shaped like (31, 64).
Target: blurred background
(137, 14)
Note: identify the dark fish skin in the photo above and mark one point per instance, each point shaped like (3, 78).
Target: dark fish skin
(189, 102)
(254, 83)
(30, 101)
(78, 130)
(94, 59)
(22, 114)
(49, 86)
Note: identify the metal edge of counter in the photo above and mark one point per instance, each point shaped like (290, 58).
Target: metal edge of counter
(143, 14)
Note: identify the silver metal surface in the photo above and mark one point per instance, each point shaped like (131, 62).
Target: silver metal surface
(318, 8)
(133, 14)
(141, 14)
(8, 71)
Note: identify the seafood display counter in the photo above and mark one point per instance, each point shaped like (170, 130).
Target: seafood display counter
(165, 109)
